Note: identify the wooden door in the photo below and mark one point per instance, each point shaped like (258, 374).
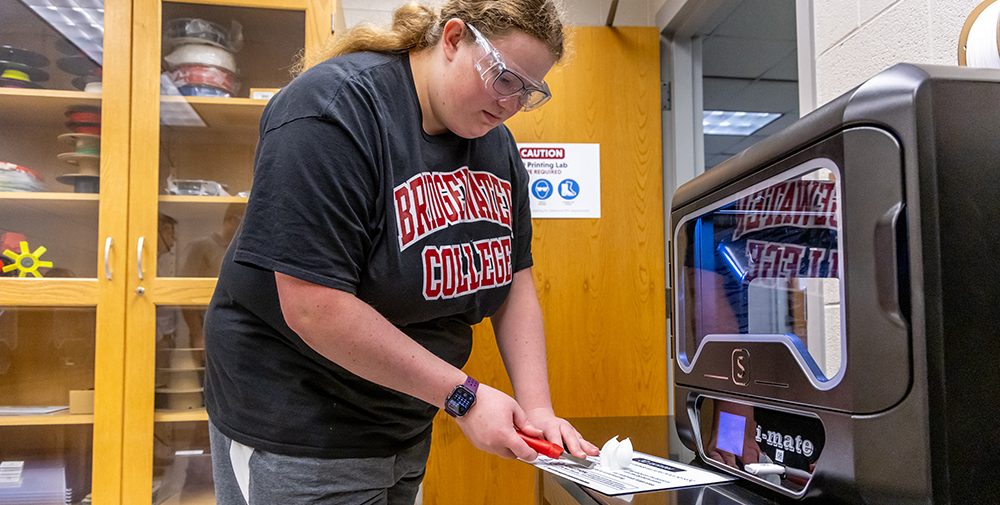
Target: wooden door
(600, 281)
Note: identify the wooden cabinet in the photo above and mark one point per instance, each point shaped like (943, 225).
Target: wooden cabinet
(62, 312)
(118, 321)
(190, 173)
(109, 318)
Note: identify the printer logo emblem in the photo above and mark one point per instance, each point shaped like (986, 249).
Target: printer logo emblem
(741, 367)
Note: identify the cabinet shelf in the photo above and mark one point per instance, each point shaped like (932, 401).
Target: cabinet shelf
(176, 417)
(59, 418)
(48, 197)
(78, 209)
(237, 117)
(39, 107)
(204, 213)
(167, 199)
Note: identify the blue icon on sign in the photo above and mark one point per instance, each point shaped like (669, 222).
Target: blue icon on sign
(569, 189)
(542, 189)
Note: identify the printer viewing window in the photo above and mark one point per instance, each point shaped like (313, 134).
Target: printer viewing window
(766, 261)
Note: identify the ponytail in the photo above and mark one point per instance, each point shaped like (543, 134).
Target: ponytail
(417, 27)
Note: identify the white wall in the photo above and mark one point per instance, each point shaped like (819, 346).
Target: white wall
(856, 39)
(578, 12)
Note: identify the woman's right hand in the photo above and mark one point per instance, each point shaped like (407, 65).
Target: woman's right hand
(490, 425)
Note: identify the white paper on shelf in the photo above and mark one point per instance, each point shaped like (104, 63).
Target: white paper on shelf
(31, 411)
(41, 483)
(646, 473)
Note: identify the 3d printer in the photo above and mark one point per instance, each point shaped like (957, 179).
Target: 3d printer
(836, 305)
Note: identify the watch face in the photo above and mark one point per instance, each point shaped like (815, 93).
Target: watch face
(460, 401)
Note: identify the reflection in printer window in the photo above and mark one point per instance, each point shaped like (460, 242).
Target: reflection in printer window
(766, 264)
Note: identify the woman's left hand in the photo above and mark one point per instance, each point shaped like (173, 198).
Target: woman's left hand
(559, 431)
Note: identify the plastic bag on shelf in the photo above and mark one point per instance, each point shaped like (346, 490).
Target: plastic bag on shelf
(17, 178)
(194, 187)
(177, 32)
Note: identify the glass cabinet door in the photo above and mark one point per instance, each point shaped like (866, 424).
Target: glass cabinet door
(203, 73)
(64, 126)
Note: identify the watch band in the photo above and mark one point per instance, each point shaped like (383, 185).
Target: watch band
(471, 383)
(462, 398)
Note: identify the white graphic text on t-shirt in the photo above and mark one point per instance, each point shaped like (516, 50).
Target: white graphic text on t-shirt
(462, 269)
(431, 201)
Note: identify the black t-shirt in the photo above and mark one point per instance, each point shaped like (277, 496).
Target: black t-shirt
(350, 193)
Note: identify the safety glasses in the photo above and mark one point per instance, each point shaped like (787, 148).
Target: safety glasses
(502, 82)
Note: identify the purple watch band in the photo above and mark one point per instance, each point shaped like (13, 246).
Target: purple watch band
(471, 383)
(462, 398)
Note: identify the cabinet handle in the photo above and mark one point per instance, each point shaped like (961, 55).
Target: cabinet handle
(107, 252)
(139, 254)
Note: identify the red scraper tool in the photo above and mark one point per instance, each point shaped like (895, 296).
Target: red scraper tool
(555, 451)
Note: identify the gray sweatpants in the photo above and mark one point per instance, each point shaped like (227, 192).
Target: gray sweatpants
(245, 476)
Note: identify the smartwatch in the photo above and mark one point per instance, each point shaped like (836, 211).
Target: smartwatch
(462, 398)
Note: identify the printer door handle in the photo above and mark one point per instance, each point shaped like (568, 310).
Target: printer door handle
(889, 258)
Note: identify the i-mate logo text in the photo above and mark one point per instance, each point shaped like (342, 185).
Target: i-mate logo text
(542, 153)
(798, 445)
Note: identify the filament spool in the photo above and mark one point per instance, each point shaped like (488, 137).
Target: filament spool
(979, 42)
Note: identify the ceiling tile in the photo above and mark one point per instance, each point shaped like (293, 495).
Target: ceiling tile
(758, 19)
(786, 69)
(744, 144)
(779, 124)
(740, 57)
(766, 96)
(717, 93)
(714, 160)
(717, 144)
(718, 16)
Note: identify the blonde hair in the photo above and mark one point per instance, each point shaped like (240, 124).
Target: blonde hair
(416, 27)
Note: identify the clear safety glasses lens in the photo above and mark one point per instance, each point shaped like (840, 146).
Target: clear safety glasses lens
(508, 83)
(505, 82)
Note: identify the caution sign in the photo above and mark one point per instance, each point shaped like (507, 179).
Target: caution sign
(564, 179)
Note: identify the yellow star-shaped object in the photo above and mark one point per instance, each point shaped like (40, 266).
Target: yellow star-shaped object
(27, 262)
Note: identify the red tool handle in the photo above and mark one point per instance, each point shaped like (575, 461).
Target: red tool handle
(543, 447)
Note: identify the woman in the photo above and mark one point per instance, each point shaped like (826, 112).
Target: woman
(389, 213)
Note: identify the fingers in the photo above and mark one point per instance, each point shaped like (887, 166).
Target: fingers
(560, 431)
(723, 457)
(522, 423)
(729, 459)
(578, 446)
(521, 450)
(716, 455)
(490, 425)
